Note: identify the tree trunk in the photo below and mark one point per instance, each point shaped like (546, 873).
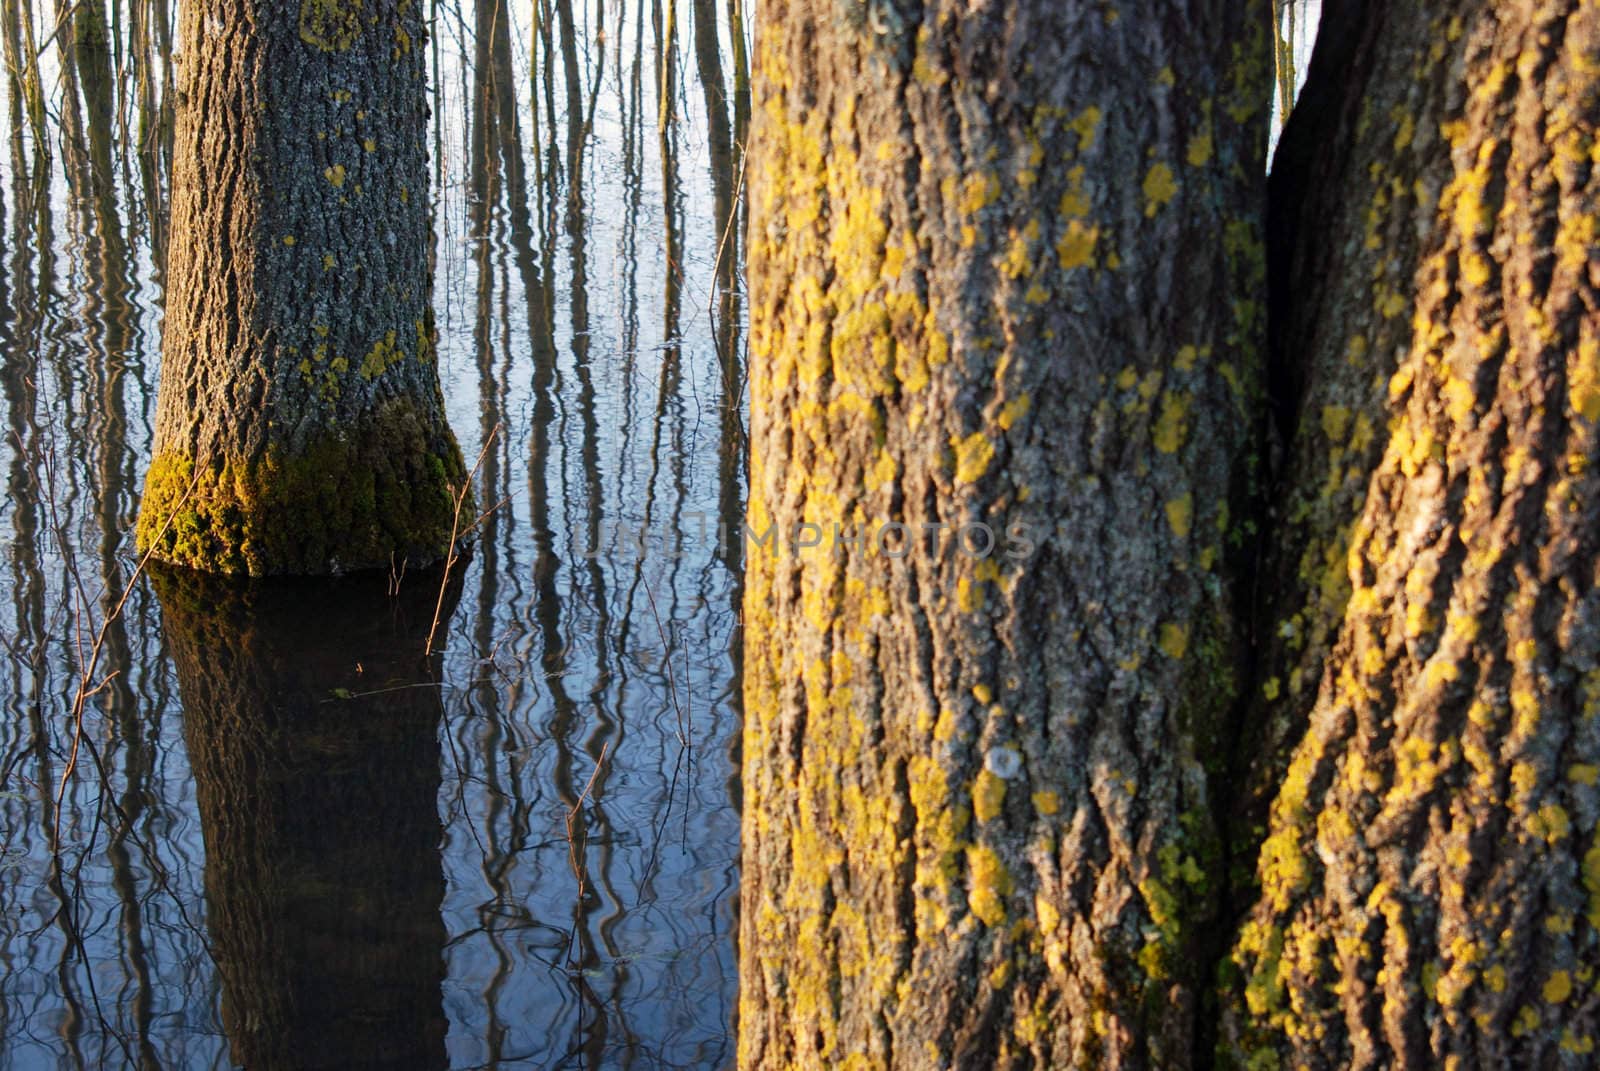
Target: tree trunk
(312, 726)
(1005, 264)
(1430, 877)
(300, 426)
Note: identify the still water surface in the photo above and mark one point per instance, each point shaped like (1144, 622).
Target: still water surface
(284, 837)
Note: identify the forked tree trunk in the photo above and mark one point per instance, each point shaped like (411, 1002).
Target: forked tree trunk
(1430, 879)
(1006, 268)
(300, 426)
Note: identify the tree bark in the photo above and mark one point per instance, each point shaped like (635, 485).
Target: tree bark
(1006, 269)
(311, 720)
(300, 426)
(1430, 785)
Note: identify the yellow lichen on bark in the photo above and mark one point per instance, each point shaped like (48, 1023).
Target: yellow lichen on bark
(330, 25)
(921, 358)
(1421, 883)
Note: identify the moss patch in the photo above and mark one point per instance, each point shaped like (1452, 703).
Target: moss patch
(358, 498)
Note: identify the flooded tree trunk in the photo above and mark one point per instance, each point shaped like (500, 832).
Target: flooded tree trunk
(1283, 37)
(300, 426)
(22, 76)
(87, 105)
(719, 142)
(1430, 882)
(153, 128)
(741, 76)
(312, 726)
(1005, 264)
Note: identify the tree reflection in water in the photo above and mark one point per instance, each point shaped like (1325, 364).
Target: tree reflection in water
(312, 723)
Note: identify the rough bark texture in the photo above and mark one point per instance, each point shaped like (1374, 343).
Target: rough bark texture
(1006, 266)
(1430, 877)
(311, 721)
(300, 426)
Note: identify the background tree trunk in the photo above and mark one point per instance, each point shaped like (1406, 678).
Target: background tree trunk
(300, 426)
(1430, 879)
(1006, 269)
(312, 721)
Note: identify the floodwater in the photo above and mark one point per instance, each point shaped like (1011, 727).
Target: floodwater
(254, 825)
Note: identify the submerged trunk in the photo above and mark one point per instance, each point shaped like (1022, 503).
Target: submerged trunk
(1004, 264)
(312, 725)
(1430, 879)
(300, 426)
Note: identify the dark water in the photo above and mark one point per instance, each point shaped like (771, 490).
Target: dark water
(255, 825)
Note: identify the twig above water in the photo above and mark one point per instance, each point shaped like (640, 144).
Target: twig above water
(453, 553)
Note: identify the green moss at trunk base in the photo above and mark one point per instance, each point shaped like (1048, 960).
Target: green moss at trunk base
(367, 496)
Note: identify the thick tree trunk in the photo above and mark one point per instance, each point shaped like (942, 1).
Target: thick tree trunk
(1430, 878)
(1005, 262)
(300, 426)
(311, 721)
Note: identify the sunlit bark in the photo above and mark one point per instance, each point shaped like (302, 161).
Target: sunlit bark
(1430, 780)
(300, 426)
(1005, 266)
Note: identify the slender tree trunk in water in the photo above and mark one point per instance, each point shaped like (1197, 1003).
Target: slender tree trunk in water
(148, 130)
(741, 75)
(574, 115)
(665, 17)
(1005, 263)
(300, 426)
(1283, 33)
(20, 110)
(719, 141)
(1430, 882)
(312, 726)
(86, 90)
(22, 64)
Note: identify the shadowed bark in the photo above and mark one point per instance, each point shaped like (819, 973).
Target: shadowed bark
(1429, 779)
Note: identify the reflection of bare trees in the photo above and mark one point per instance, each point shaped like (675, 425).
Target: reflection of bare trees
(590, 156)
(312, 722)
